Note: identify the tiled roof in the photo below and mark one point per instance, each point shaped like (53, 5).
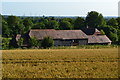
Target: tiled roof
(57, 34)
(98, 39)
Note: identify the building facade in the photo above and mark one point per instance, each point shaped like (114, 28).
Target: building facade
(66, 37)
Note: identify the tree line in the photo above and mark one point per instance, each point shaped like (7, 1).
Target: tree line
(13, 25)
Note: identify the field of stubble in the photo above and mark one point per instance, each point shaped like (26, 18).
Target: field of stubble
(60, 63)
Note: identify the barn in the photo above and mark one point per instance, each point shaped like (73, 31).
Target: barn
(98, 40)
(60, 37)
(67, 37)
(95, 37)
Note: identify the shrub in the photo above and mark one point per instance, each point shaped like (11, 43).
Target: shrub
(20, 42)
(47, 42)
(5, 43)
(34, 42)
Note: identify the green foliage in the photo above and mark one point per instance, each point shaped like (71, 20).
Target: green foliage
(102, 32)
(39, 25)
(12, 21)
(20, 42)
(79, 23)
(45, 21)
(34, 42)
(111, 33)
(68, 19)
(20, 28)
(85, 47)
(65, 25)
(47, 42)
(27, 22)
(113, 37)
(5, 28)
(5, 43)
(118, 33)
(52, 25)
(113, 22)
(94, 19)
(0, 41)
(118, 20)
(13, 25)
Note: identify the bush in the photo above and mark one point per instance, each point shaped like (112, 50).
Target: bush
(5, 43)
(20, 42)
(34, 42)
(47, 42)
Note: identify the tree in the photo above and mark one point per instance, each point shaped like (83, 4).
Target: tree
(20, 42)
(34, 42)
(39, 25)
(52, 25)
(94, 19)
(13, 23)
(111, 33)
(47, 42)
(113, 22)
(45, 21)
(1, 31)
(21, 28)
(118, 20)
(5, 43)
(27, 22)
(113, 37)
(5, 29)
(118, 33)
(65, 25)
(79, 23)
(68, 19)
(102, 32)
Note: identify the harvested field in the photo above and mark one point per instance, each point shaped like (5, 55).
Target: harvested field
(60, 63)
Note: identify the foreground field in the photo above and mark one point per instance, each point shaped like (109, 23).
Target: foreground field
(61, 63)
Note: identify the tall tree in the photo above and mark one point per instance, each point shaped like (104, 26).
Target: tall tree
(27, 22)
(113, 22)
(5, 28)
(79, 23)
(118, 31)
(118, 20)
(94, 19)
(13, 22)
(111, 33)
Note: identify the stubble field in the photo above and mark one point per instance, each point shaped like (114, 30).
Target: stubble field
(60, 63)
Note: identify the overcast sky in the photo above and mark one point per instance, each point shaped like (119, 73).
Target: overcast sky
(59, 7)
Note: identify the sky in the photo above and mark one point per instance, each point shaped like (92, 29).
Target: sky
(58, 7)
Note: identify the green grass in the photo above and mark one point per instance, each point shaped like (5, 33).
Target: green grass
(85, 47)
